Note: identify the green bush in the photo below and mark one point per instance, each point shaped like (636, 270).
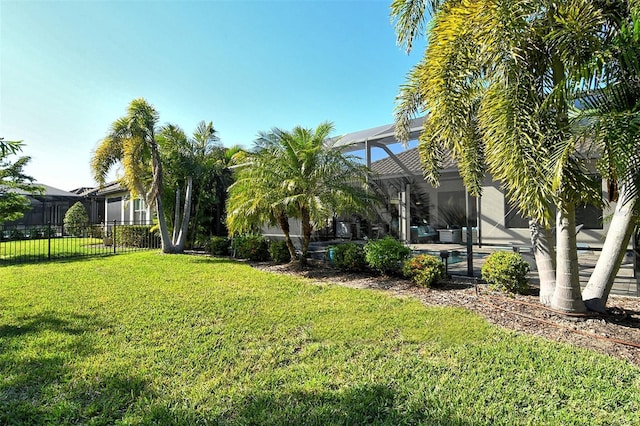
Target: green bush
(251, 247)
(139, 236)
(95, 231)
(43, 232)
(386, 255)
(76, 220)
(16, 234)
(348, 257)
(218, 246)
(424, 270)
(279, 252)
(506, 271)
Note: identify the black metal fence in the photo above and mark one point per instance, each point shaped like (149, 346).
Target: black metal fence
(22, 244)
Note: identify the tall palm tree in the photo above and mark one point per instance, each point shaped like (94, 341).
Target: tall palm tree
(612, 117)
(132, 142)
(296, 174)
(225, 159)
(496, 81)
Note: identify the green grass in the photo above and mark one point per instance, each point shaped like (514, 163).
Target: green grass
(143, 338)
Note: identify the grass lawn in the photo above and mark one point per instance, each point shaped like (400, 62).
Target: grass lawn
(143, 338)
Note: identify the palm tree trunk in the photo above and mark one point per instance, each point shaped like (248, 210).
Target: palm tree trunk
(167, 245)
(283, 223)
(542, 246)
(621, 228)
(567, 297)
(196, 216)
(176, 215)
(156, 191)
(186, 212)
(306, 234)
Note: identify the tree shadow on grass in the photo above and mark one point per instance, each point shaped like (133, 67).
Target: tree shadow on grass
(360, 405)
(39, 383)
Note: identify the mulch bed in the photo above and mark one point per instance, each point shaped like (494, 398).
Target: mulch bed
(616, 334)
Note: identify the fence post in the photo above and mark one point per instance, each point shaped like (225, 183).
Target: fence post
(49, 240)
(114, 236)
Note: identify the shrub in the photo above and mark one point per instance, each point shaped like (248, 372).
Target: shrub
(506, 271)
(76, 220)
(219, 246)
(279, 252)
(424, 270)
(348, 257)
(386, 255)
(96, 231)
(251, 247)
(16, 234)
(139, 236)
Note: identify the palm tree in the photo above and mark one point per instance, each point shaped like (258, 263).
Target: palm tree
(9, 147)
(296, 174)
(225, 159)
(178, 156)
(132, 142)
(612, 114)
(496, 81)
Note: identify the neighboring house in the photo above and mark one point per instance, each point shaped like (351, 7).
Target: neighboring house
(48, 207)
(118, 204)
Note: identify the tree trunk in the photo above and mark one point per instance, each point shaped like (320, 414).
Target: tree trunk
(545, 256)
(167, 245)
(567, 297)
(186, 212)
(196, 216)
(621, 228)
(306, 234)
(176, 215)
(283, 222)
(156, 192)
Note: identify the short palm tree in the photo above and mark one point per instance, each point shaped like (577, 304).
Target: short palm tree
(296, 174)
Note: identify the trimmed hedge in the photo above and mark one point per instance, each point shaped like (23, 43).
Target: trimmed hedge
(76, 220)
(347, 257)
(424, 269)
(279, 252)
(506, 271)
(139, 236)
(251, 247)
(386, 255)
(219, 246)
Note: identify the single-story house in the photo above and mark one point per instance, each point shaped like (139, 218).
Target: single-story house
(414, 211)
(114, 202)
(47, 207)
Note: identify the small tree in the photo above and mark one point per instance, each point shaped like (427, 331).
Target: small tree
(297, 174)
(13, 205)
(76, 219)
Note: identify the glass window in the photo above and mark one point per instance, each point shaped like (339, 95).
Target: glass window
(139, 211)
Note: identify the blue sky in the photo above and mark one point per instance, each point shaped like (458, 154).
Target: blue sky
(68, 69)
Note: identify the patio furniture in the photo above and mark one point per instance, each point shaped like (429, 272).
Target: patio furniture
(450, 235)
(423, 234)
